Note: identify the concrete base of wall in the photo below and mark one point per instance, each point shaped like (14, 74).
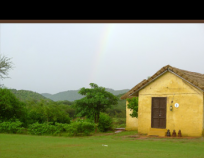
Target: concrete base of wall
(131, 128)
(157, 132)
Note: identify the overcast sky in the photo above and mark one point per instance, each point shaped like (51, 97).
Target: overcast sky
(50, 58)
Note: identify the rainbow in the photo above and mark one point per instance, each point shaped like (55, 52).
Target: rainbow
(101, 51)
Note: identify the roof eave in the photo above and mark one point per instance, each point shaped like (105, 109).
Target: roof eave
(162, 74)
(165, 69)
(185, 80)
(148, 83)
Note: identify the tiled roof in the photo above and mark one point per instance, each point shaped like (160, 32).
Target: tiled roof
(194, 78)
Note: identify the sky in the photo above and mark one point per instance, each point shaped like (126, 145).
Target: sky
(56, 57)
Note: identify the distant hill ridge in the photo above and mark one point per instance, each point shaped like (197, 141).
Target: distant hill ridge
(72, 95)
(25, 95)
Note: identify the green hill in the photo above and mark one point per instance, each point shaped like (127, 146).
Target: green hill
(25, 95)
(117, 92)
(72, 95)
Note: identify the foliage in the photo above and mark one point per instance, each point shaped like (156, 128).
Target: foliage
(71, 111)
(47, 111)
(66, 102)
(11, 127)
(119, 122)
(10, 106)
(80, 127)
(105, 122)
(5, 66)
(119, 110)
(116, 112)
(32, 111)
(67, 107)
(47, 128)
(96, 100)
(43, 129)
(133, 105)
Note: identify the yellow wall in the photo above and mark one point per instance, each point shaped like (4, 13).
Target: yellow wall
(188, 117)
(203, 114)
(131, 122)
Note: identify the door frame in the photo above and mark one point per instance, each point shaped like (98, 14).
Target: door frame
(152, 111)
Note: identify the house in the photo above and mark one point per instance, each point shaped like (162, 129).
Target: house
(171, 99)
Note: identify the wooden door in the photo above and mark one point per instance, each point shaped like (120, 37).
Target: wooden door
(158, 112)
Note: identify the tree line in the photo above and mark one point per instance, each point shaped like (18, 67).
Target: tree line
(46, 116)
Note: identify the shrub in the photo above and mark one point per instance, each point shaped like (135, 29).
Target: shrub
(11, 127)
(60, 126)
(42, 129)
(80, 127)
(105, 122)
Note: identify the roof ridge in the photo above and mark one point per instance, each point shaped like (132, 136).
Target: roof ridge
(195, 78)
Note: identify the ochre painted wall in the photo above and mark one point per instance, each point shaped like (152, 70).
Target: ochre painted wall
(188, 117)
(131, 122)
(203, 114)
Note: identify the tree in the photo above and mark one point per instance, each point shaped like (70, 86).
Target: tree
(96, 100)
(5, 66)
(133, 106)
(10, 106)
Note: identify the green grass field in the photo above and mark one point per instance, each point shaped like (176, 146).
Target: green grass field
(120, 145)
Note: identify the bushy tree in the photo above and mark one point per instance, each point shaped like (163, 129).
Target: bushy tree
(105, 122)
(96, 100)
(10, 106)
(133, 105)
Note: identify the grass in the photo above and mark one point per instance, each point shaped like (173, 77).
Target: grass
(120, 145)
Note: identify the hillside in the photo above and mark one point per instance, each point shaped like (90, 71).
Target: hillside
(117, 92)
(72, 95)
(24, 95)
